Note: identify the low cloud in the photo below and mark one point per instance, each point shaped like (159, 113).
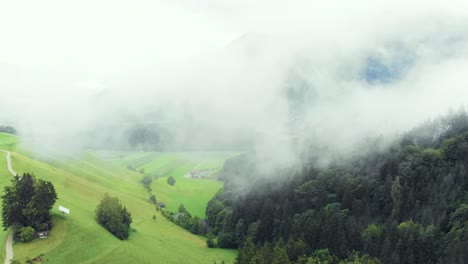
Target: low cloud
(275, 77)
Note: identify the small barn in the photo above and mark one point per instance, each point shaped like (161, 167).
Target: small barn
(178, 215)
(42, 234)
(44, 230)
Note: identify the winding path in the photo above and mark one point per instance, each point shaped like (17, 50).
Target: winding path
(9, 242)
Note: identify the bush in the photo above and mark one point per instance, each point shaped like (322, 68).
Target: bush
(146, 181)
(153, 199)
(26, 234)
(171, 180)
(226, 240)
(114, 217)
(210, 241)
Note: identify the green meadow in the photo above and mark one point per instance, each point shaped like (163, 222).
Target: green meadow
(8, 142)
(193, 193)
(81, 183)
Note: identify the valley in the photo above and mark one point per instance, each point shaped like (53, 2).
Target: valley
(81, 183)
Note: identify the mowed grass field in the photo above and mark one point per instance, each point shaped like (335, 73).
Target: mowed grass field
(193, 193)
(77, 238)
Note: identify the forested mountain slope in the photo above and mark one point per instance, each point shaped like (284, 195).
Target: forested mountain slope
(407, 204)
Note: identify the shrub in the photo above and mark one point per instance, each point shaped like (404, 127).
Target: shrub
(146, 181)
(26, 234)
(153, 199)
(210, 241)
(171, 180)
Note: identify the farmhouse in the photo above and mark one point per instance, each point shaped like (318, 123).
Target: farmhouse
(199, 174)
(43, 231)
(195, 174)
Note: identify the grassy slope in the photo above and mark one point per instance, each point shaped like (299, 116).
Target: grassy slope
(7, 142)
(193, 193)
(77, 238)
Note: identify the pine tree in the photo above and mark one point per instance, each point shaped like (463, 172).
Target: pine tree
(397, 198)
(279, 255)
(246, 252)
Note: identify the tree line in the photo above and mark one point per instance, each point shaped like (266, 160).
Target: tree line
(406, 204)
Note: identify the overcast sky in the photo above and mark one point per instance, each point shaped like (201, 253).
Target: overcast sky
(370, 67)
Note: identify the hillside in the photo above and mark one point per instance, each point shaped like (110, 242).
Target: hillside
(160, 165)
(406, 203)
(77, 238)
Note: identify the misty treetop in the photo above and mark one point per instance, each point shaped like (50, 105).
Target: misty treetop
(408, 204)
(27, 203)
(8, 129)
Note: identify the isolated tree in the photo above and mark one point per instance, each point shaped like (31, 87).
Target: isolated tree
(171, 180)
(27, 202)
(153, 199)
(146, 181)
(114, 217)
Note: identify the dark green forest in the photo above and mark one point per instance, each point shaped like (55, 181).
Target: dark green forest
(407, 203)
